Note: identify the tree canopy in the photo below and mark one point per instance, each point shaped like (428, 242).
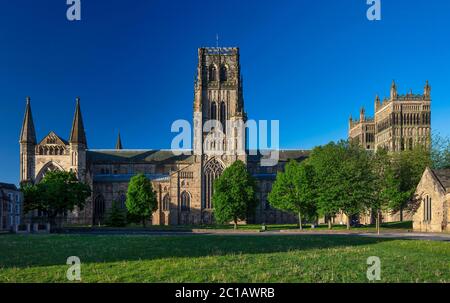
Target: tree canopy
(58, 192)
(294, 190)
(141, 200)
(234, 194)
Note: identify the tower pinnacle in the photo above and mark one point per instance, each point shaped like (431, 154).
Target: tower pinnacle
(28, 133)
(119, 142)
(77, 135)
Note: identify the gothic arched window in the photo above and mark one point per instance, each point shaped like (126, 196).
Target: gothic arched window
(223, 73)
(223, 116)
(212, 73)
(166, 203)
(212, 171)
(427, 209)
(99, 209)
(185, 201)
(213, 111)
(122, 200)
(49, 167)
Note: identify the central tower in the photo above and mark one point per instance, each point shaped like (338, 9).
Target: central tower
(219, 117)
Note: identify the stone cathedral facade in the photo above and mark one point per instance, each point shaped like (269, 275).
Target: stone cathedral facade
(183, 181)
(401, 122)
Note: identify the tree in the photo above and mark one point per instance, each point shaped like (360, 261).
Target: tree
(294, 190)
(356, 179)
(234, 194)
(324, 160)
(408, 167)
(440, 152)
(116, 216)
(343, 176)
(141, 199)
(57, 193)
(385, 189)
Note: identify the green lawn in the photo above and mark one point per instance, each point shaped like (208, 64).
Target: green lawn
(42, 258)
(400, 226)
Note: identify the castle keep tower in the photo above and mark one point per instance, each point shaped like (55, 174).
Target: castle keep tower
(401, 122)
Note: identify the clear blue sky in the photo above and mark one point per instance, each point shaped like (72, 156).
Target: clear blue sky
(308, 63)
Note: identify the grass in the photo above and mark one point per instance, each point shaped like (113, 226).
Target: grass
(401, 226)
(113, 258)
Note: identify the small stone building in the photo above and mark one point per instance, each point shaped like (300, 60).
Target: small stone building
(433, 196)
(11, 200)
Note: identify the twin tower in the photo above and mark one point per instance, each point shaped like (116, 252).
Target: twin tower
(52, 152)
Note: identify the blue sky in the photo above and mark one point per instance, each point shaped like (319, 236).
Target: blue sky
(308, 63)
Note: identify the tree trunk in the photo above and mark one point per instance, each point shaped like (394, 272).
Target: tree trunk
(349, 218)
(300, 223)
(330, 225)
(401, 214)
(143, 222)
(378, 221)
(235, 224)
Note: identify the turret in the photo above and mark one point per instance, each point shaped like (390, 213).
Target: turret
(78, 143)
(427, 91)
(393, 90)
(27, 145)
(362, 114)
(377, 103)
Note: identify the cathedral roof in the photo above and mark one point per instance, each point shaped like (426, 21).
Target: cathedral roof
(284, 155)
(136, 156)
(443, 176)
(127, 177)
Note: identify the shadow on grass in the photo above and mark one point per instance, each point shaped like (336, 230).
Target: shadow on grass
(46, 250)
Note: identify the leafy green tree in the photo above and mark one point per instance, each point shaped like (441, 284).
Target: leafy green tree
(385, 186)
(57, 193)
(408, 167)
(356, 179)
(141, 199)
(440, 152)
(326, 163)
(343, 175)
(234, 194)
(116, 216)
(294, 190)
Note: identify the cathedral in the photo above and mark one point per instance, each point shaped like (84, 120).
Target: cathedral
(183, 182)
(401, 122)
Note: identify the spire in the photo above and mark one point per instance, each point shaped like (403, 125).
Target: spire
(427, 90)
(393, 90)
(28, 134)
(119, 142)
(77, 135)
